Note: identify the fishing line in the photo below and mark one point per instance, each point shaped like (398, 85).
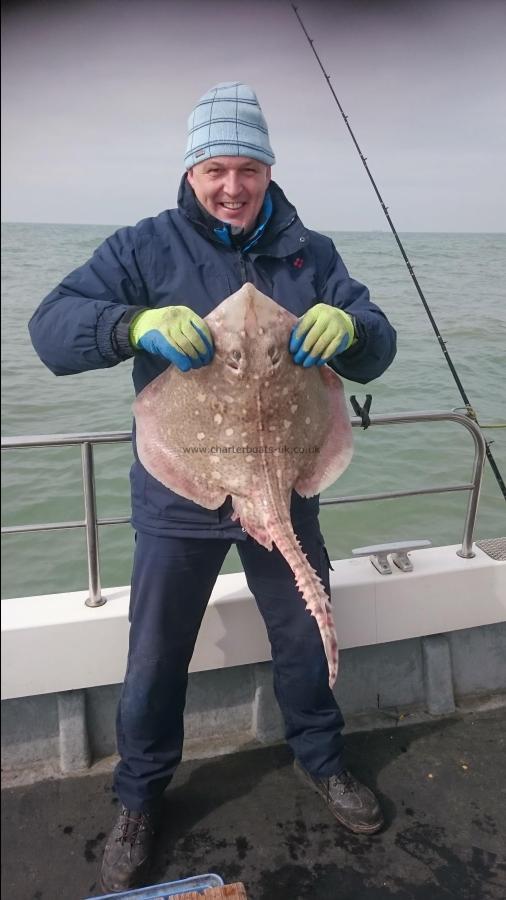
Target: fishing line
(470, 411)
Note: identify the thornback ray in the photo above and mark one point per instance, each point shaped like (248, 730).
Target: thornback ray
(251, 425)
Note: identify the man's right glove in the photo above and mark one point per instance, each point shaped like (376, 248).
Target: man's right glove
(175, 332)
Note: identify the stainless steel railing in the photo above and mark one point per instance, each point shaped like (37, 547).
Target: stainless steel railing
(91, 522)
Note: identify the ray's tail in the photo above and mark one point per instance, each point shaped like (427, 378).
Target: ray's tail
(312, 590)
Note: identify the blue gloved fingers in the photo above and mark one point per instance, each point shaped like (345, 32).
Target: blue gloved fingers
(321, 333)
(298, 345)
(183, 353)
(301, 356)
(296, 340)
(193, 335)
(326, 357)
(177, 356)
(308, 354)
(337, 345)
(184, 342)
(207, 354)
(154, 342)
(343, 345)
(180, 360)
(317, 337)
(321, 351)
(304, 358)
(194, 342)
(302, 327)
(321, 359)
(311, 361)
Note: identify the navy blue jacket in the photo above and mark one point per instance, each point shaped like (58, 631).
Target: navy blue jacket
(177, 258)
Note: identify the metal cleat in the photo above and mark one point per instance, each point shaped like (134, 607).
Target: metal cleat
(378, 554)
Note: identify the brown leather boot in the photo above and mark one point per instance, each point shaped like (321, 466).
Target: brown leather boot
(351, 802)
(128, 851)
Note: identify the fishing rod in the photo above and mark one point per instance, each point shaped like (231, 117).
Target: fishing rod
(470, 411)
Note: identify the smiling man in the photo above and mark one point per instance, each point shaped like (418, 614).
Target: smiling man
(232, 189)
(145, 294)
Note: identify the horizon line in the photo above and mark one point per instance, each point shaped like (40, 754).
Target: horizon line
(320, 229)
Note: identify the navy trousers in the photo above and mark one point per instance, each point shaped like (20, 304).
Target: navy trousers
(171, 585)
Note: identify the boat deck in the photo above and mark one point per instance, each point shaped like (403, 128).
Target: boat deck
(249, 819)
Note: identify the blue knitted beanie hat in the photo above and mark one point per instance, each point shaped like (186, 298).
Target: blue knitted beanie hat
(228, 121)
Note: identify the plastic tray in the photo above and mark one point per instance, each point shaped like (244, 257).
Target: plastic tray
(169, 889)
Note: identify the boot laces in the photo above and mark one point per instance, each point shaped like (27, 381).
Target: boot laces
(344, 782)
(131, 824)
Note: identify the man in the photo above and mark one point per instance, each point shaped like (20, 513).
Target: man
(145, 293)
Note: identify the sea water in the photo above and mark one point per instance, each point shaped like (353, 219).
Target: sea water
(462, 277)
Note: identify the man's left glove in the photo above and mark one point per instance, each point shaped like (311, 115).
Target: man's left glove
(321, 333)
(175, 332)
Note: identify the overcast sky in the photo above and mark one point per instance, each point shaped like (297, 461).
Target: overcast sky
(97, 93)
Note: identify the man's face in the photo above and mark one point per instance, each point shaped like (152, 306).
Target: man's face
(231, 188)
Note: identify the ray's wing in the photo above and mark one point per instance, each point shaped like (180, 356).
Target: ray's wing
(336, 448)
(168, 435)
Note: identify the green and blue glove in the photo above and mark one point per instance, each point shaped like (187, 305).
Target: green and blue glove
(175, 332)
(321, 333)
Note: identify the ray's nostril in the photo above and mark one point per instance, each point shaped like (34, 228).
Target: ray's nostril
(273, 353)
(234, 360)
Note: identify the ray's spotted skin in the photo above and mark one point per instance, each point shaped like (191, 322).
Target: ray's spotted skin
(252, 425)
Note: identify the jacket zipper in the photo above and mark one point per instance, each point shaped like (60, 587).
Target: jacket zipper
(242, 261)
